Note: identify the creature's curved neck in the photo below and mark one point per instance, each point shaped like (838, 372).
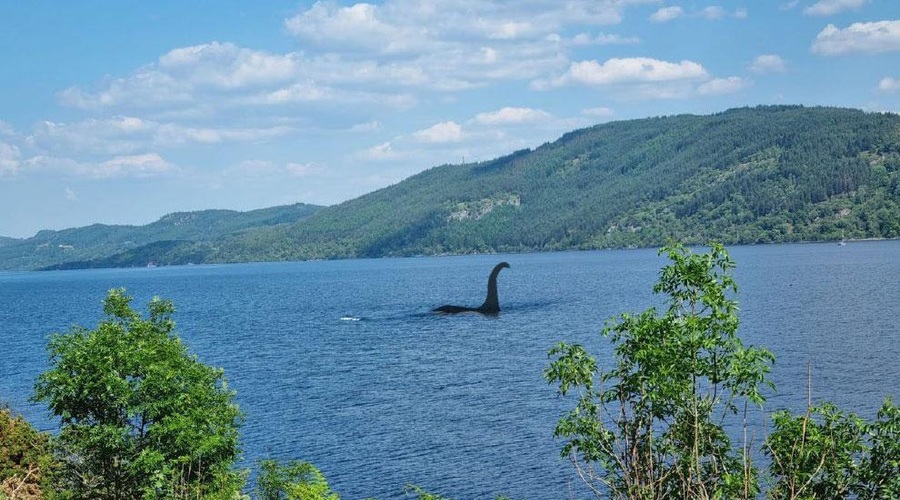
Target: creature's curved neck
(491, 302)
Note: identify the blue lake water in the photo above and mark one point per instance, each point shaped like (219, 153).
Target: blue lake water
(340, 363)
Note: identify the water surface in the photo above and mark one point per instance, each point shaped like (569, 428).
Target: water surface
(340, 362)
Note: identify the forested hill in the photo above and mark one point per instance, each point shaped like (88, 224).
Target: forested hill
(186, 237)
(750, 175)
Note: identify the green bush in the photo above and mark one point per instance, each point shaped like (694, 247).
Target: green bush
(26, 459)
(140, 417)
(829, 453)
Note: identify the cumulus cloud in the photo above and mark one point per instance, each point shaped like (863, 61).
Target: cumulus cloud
(511, 115)
(888, 84)
(600, 111)
(718, 86)
(768, 63)
(376, 55)
(873, 37)
(9, 159)
(404, 26)
(178, 76)
(831, 7)
(713, 12)
(297, 92)
(665, 14)
(449, 131)
(110, 136)
(627, 70)
(127, 134)
(143, 166)
(264, 169)
(359, 26)
(225, 65)
(643, 78)
(6, 129)
(710, 13)
(369, 126)
(304, 169)
(603, 39)
(383, 151)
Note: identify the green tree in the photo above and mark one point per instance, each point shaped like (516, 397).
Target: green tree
(296, 480)
(140, 416)
(26, 459)
(829, 453)
(653, 426)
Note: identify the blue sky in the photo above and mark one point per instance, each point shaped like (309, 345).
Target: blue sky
(120, 112)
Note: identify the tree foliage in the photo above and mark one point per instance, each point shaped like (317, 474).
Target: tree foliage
(653, 425)
(140, 416)
(830, 453)
(295, 480)
(26, 459)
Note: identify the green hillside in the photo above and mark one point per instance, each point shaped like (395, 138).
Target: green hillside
(177, 238)
(743, 176)
(766, 174)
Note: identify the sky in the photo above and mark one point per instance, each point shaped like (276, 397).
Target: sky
(122, 111)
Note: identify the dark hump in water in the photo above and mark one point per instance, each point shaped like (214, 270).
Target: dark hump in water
(491, 303)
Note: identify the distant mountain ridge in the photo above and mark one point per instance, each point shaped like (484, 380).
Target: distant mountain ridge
(748, 175)
(180, 233)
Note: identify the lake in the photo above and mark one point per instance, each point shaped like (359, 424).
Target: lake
(341, 364)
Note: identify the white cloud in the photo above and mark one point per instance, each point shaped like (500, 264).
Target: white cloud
(713, 12)
(710, 13)
(264, 169)
(879, 36)
(601, 112)
(510, 30)
(665, 14)
(768, 63)
(888, 84)
(184, 74)
(370, 126)
(512, 115)
(359, 26)
(297, 92)
(145, 88)
(377, 55)
(304, 169)
(9, 159)
(109, 136)
(141, 166)
(170, 134)
(628, 70)
(603, 39)
(6, 129)
(718, 86)
(383, 151)
(831, 7)
(71, 195)
(408, 26)
(228, 66)
(127, 134)
(144, 165)
(440, 133)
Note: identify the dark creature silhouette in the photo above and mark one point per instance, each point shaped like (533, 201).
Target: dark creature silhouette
(491, 303)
